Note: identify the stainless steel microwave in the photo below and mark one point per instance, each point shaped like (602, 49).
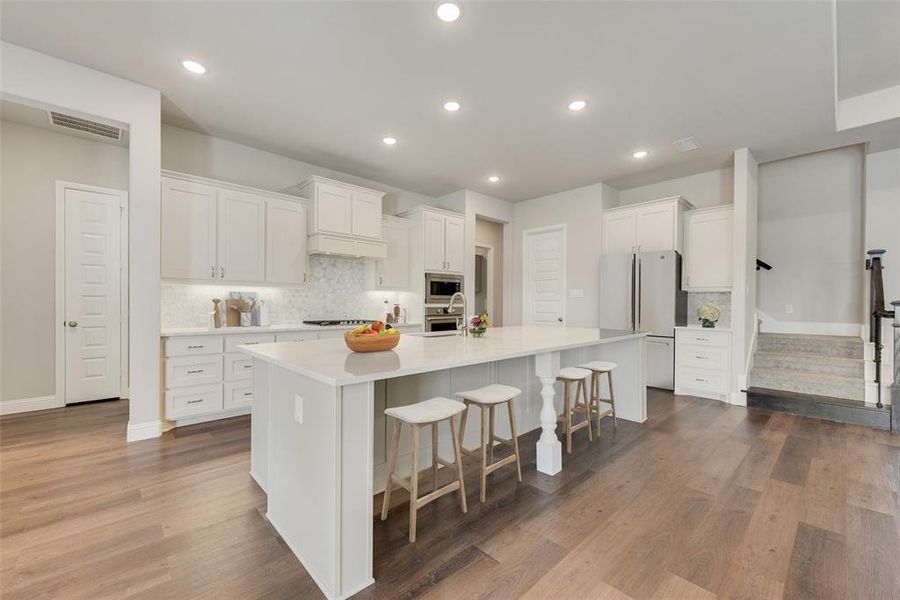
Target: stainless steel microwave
(440, 287)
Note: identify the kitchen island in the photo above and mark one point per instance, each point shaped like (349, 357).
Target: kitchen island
(318, 425)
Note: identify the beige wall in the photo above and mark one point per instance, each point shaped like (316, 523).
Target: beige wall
(704, 189)
(580, 210)
(489, 233)
(32, 161)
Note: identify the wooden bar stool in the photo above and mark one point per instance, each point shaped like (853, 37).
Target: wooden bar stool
(428, 412)
(578, 377)
(597, 369)
(487, 398)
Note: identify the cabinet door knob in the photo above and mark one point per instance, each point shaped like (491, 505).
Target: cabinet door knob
(212, 271)
(222, 272)
(73, 323)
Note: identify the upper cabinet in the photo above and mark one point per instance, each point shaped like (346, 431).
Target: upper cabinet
(286, 251)
(645, 227)
(215, 231)
(188, 230)
(708, 249)
(393, 271)
(440, 237)
(345, 218)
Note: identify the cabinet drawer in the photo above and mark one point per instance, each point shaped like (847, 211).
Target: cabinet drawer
(705, 357)
(238, 366)
(193, 370)
(192, 345)
(238, 394)
(233, 341)
(296, 336)
(196, 400)
(703, 338)
(704, 379)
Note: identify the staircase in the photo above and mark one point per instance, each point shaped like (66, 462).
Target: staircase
(813, 375)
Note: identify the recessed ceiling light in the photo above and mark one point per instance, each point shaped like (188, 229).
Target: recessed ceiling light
(494, 178)
(451, 106)
(193, 67)
(640, 154)
(389, 141)
(577, 105)
(447, 11)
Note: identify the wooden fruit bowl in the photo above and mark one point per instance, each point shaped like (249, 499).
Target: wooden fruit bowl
(371, 343)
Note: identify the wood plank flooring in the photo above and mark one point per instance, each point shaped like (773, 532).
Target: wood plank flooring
(703, 501)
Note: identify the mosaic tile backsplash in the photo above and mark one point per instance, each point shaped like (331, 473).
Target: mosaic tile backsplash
(721, 300)
(336, 289)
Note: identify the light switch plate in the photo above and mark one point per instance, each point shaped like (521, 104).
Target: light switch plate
(788, 309)
(576, 293)
(298, 409)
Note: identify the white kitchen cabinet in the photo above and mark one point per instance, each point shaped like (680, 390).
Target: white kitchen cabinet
(223, 232)
(619, 235)
(345, 218)
(332, 209)
(188, 230)
(438, 240)
(242, 236)
(644, 227)
(454, 244)
(393, 271)
(286, 246)
(708, 250)
(658, 227)
(703, 362)
(366, 214)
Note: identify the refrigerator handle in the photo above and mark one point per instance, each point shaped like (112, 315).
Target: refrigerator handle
(640, 293)
(633, 284)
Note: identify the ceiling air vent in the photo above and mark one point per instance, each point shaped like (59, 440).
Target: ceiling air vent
(686, 144)
(86, 126)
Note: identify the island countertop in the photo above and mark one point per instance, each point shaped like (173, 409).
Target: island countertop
(332, 363)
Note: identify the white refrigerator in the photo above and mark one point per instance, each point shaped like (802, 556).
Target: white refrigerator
(642, 292)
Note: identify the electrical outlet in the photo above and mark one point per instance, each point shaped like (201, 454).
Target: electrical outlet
(788, 309)
(298, 409)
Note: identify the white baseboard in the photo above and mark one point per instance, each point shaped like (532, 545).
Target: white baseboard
(810, 328)
(143, 431)
(738, 398)
(20, 405)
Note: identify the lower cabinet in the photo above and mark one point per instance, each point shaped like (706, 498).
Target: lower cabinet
(703, 362)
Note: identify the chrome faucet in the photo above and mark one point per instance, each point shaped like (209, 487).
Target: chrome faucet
(460, 322)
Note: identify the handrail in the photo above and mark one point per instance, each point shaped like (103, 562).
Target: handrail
(877, 312)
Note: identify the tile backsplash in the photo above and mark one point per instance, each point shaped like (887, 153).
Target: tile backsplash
(721, 300)
(337, 288)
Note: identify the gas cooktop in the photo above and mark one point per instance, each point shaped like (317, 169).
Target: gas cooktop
(336, 322)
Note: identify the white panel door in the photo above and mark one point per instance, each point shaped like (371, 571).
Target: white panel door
(545, 277)
(366, 213)
(433, 227)
(242, 236)
(455, 244)
(708, 250)
(333, 209)
(656, 227)
(188, 230)
(618, 233)
(393, 272)
(92, 295)
(286, 242)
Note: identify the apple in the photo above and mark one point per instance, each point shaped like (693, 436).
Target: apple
(377, 325)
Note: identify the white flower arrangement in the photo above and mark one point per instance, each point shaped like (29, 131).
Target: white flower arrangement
(708, 312)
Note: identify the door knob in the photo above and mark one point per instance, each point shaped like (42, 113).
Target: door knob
(73, 323)
(559, 319)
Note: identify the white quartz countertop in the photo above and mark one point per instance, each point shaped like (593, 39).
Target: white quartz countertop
(179, 331)
(331, 362)
(701, 328)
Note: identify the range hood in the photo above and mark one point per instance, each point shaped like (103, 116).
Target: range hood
(346, 246)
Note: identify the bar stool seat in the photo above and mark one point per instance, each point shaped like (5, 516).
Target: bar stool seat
(578, 377)
(436, 409)
(597, 369)
(418, 415)
(487, 398)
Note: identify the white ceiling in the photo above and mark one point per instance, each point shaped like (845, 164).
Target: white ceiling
(868, 41)
(324, 82)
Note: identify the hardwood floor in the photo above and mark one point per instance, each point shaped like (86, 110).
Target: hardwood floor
(704, 500)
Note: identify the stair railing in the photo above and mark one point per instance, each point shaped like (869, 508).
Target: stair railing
(877, 312)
